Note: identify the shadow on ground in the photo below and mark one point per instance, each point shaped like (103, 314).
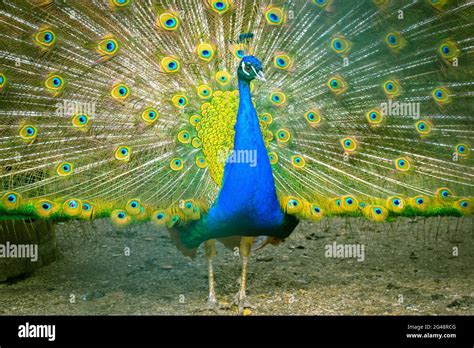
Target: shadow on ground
(410, 267)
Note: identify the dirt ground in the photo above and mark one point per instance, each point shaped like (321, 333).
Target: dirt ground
(409, 268)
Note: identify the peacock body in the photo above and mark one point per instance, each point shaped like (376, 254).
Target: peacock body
(153, 111)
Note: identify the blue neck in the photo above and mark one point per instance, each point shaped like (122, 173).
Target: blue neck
(248, 195)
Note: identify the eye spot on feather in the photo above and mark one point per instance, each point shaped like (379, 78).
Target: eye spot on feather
(150, 115)
(392, 88)
(170, 65)
(340, 45)
(394, 41)
(205, 52)
(441, 95)
(282, 61)
(267, 118)
(119, 4)
(184, 137)
(395, 204)
(444, 193)
(120, 92)
(179, 100)
(323, 4)
(423, 127)
(176, 164)
(283, 135)
(278, 98)
(3, 80)
(220, 6)
(274, 16)
(273, 157)
(45, 38)
(64, 169)
(349, 144)
(123, 153)
(11, 200)
(28, 133)
(222, 77)
(168, 21)
(108, 46)
(204, 92)
(201, 162)
(313, 117)
(402, 164)
(462, 150)
(298, 161)
(448, 50)
(337, 85)
(54, 83)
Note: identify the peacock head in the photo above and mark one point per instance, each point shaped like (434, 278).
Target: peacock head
(250, 68)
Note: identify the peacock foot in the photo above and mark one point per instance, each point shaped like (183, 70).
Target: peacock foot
(241, 302)
(214, 306)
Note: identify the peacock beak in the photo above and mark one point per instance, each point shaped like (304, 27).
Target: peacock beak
(260, 76)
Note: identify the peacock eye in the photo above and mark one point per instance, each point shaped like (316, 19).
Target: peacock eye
(274, 16)
(176, 164)
(392, 88)
(48, 37)
(122, 153)
(277, 98)
(337, 85)
(349, 144)
(184, 137)
(179, 100)
(45, 38)
(378, 211)
(402, 164)
(441, 95)
(86, 207)
(120, 92)
(167, 21)
(298, 162)
(283, 135)
(54, 83)
(64, 169)
(11, 198)
(419, 201)
(170, 65)
(108, 46)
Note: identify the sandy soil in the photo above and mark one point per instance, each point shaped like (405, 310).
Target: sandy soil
(409, 268)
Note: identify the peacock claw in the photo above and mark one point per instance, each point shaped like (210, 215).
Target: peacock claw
(241, 303)
(214, 306)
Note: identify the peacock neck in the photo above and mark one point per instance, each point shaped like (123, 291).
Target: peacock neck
(247, 200)
(248, 135)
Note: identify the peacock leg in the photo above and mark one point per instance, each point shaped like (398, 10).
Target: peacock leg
(210, 249)
(241, 297)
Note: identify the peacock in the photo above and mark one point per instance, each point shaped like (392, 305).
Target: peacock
(233, 120)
